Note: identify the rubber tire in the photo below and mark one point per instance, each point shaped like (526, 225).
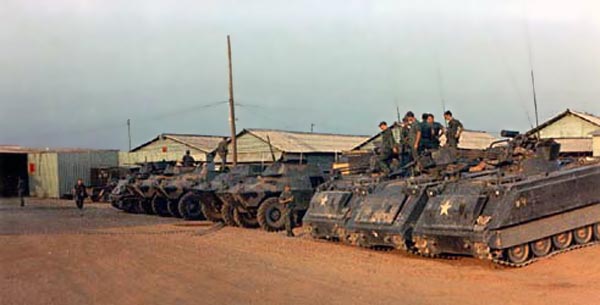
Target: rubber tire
(543, 250)
(129, 205)
(596, 230)
(562, 245)
(245, 220)
(159, 206)
(173, 207)
(265, 209)
(190, 207)
(207, 205)
(521, 257)
(227, 213)
(586, 238)
(145, 207)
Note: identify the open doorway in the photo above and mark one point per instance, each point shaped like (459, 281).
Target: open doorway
(12, 166)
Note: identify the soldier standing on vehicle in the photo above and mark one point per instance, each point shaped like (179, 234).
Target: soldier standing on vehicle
(405, 151)
(437, 130)
(387, 149)
(287, 199)
(188, 160)
(222, 152)
(414, 135)
(453, 131)
(80, 193)
(21, 190)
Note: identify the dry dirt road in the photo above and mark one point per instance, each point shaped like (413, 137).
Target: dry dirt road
(50, 253)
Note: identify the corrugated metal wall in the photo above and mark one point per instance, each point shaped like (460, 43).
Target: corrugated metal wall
(596, 145)
(43, 180)
(72, 166)
(153, 152)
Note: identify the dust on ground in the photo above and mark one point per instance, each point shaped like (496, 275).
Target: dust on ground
(52, 253)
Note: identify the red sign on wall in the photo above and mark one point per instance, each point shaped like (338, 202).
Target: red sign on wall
(31, 168)
(164, 149)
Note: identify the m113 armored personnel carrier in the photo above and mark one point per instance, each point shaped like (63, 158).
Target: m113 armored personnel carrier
(513, 203)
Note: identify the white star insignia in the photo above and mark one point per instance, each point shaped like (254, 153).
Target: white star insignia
(445, 207)
(324, 200)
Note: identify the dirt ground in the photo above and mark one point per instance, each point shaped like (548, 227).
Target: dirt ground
(51, 253)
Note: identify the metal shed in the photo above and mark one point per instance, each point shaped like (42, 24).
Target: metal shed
(53, 174)
(262, 145)
(574, 130)
(171, 147)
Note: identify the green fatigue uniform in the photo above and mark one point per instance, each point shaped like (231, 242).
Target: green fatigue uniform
(436, 130)
(405, 151)
(80, 195)
(188, 160)
(222, 152)
(412, 138)
(287, 199)
(21, 190)
(426, 136)
(452, 131)
(386, 152)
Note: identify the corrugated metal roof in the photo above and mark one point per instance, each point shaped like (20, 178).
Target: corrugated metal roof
(583, 115)
(306, 142)
(15, 149)
(200, 142)
(575, 145)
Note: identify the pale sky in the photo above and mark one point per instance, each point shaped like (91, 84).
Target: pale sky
(73, 71)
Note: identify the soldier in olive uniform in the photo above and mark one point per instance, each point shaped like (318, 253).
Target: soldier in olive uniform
(188, 160)
(426, 140)
(80, 193)
(287, 199)
(414, 135)
(222, 152)
(387, 149)
(437, 130)
(21, 190)
(405, 151)
(454, 130)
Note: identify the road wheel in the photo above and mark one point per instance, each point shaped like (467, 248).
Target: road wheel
(173, 207)
(227, 213)
(245, 219)
(129, 205)
(583, 235)
(209, 209)
(518, 254)
(596, 229)
(541, 247)
(562, 240)
(189, 207)
(271, 215)
(159, 206)
(145, 207)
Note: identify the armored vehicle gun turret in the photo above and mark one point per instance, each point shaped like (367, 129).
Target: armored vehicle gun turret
(202, 198)
(254, 202)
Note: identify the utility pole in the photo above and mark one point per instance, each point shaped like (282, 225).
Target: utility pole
(231, 105)
(312, 126)
(129, 132)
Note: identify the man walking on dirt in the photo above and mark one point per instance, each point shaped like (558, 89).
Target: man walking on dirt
(21, 190)
(287, 199)
(222, 152)
(80, 193)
